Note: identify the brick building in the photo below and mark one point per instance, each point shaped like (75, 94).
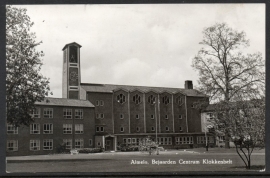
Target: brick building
(111, 115)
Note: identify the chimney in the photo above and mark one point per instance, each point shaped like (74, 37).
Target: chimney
(188, 84)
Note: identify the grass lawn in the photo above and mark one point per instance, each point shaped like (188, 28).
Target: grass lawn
(122, 162)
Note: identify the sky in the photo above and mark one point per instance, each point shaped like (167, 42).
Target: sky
(142, 44)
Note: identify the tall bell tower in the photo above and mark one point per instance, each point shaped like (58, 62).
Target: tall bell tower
(71, 71)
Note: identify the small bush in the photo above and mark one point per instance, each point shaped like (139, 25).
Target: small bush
(90, 150)
(124, 147)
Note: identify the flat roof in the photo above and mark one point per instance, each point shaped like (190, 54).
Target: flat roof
(49, 101)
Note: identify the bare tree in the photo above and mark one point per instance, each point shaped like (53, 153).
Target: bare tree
(224, 71)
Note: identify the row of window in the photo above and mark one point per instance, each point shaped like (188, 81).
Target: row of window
(48, 113)
(99, 103)
(138, 116)
(47, 129)
(121, 98)
(12, 145)
(152, 129)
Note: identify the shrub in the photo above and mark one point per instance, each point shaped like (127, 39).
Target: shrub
(91, 150)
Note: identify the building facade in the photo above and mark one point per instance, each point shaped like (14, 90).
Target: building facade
(112, 115)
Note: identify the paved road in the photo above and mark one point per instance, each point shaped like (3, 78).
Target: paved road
(123, 162)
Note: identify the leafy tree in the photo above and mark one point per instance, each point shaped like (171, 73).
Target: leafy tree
(148, 144)
(245, 124)
(225, 73)
(24, 83)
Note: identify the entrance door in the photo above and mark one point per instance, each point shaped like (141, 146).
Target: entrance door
(108, 145)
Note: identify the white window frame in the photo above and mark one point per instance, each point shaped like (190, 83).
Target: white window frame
(167, 128)
(153, 128)
(99, 129)
(11, 129)
(36, 113)
(78, 128)
(180, 128)
(67, 113)
(12, 145)
(166, 116)
(46, 130)
(184, 140)
(48, 113)
(137, 116)
(35, 128)
(97, 102)
(78, 113)
(34, 145)
(67, 128)
(48, 144)
(180, 116)
(101, 103)
(81, 145)
(68, 143)
(138, 129)
(98, 144)
(152, 116)
(164, 140)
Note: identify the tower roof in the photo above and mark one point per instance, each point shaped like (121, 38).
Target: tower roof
(72, 44)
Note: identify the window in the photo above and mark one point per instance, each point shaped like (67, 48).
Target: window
(34, 145)
(122, 129)
(78, 143)
(137, 116)
(152, 116)
(166, 116)
(121, 98)
(67, 128)
(180, 129)
(121, 116)
(179, 100)
(138, 129)
(99, 129)
(34, 129)
(164, 140)
(165, 100)
(48, 113)
(101, 103)
(180, 116)
(78, 128)
(99, 115)
(12, 145)
(152, 128)
(48, 144)
(12, 129)
(151, 99)
(98, 143)
(97, 103)
(67, 113)
(78, 114)
(209, 116)
(192, 106)
(35, 113)
(134, 141)
(68, 143)
(90, 142)
(202, 139)
(183, 140)
(167, 128)
(47, 128)
(136, 99)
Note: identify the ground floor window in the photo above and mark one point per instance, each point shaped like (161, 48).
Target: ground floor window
(164, 140)
(34, 145)
(183, 140)
(202, 139)
(78, 143)
(12, 145)
(131, 141)
(68, 143)
(48, 144)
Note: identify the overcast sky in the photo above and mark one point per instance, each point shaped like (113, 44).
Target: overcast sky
(146, 45)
